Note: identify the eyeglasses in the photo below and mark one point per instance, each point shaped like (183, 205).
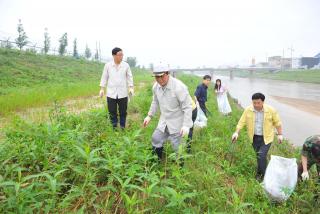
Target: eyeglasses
(160, 77)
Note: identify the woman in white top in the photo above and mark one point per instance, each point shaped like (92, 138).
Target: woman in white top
(222, 98)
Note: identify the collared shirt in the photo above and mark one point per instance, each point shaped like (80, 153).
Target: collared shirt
(271, 120)
(258, 123)
(310, 144)
(201, 93)
(117, 78)
(175, 105)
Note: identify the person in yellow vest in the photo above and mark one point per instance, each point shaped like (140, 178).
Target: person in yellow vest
(260, 120)
(194, 117)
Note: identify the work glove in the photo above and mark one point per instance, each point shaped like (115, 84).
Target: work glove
(305, 176)
(280, 139)
(146, 121)
(101, 93)
(184, 131)
(235, 137)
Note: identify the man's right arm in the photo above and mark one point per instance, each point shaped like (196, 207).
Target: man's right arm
(242, 121)
(304, 161)
(154, 104)
(104, 77)
(197, 94)
(104, 80)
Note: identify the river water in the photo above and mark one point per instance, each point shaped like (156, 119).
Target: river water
(298, 104)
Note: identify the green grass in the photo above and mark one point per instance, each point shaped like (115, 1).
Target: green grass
(309, 76)
(30, 80)
(78, 164)
(25, 69)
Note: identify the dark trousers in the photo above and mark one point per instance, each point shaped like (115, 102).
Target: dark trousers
(194, 117)
(261, 150)
(113, 105)
(203, 108)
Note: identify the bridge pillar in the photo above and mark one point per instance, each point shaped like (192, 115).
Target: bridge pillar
(231, 74)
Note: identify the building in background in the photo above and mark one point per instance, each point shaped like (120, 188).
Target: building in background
(296, 63)
(309, 62)
(279, 62)
(274, 61)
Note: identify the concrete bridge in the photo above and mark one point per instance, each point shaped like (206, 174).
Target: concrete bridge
(229, 70)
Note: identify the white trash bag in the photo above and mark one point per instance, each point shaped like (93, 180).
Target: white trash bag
(280, 178)
(201, 120)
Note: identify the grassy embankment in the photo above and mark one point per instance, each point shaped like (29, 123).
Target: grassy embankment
(77, 163)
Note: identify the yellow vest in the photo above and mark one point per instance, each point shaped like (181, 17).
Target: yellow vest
(270, 121)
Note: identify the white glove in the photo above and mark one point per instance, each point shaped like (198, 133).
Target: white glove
(280, 138)
(184, 131)
(305, 176)
(131, 91)
(235, 137)
(197, 104)
(146, 121)
(101, 93)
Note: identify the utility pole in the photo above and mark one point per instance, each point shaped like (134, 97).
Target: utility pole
(291, 49)
(282, 59)
(99, 52)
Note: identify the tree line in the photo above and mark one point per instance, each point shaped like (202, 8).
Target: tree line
(22, 41)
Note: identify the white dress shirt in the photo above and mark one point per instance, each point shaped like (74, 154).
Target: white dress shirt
(117, 78)
(258, 123)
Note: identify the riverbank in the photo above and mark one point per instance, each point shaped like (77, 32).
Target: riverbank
(77, 163)
(307, 76)
(295, 102)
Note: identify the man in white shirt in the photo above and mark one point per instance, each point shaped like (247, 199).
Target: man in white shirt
(117, 79)
(172, 97)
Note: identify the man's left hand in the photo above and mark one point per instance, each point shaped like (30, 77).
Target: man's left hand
(184, 131)
(280, 138)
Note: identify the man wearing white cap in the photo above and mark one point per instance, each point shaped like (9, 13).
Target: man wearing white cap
(172, 97)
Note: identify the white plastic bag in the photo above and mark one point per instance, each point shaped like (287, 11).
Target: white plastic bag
(281, 178)
(201, 120)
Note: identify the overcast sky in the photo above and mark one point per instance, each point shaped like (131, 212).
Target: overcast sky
(183, 33)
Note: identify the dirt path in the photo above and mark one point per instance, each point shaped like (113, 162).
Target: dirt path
(41, 114)
(310, 106)
(73, 106)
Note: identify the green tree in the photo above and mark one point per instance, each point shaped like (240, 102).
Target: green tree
(63, 44)
(22, 38)
(151, 66)
(46, 41)
(87, 52)
(132, 61)
(96, 55)
(75, 50)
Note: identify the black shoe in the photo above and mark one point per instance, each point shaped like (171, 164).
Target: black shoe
(259, 177)
(189, 146)
(158, 151)
(181, 163)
